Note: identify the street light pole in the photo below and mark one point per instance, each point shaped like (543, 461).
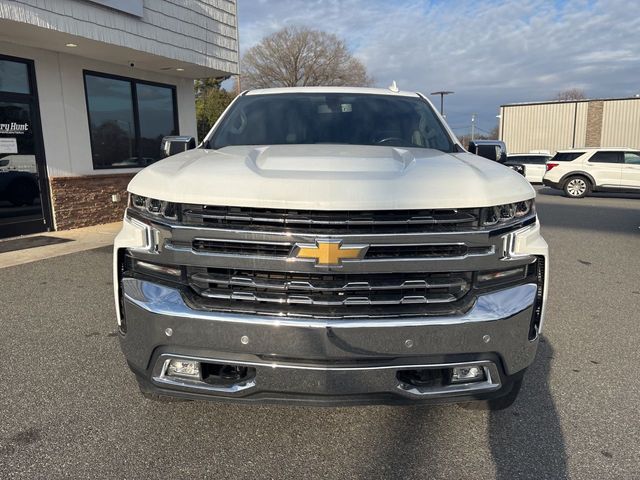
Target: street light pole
(442, 93)
(473, 126)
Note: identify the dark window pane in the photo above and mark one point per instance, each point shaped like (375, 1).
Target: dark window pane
(19, 187)
(632, 158)
(566, 156)
(606, 157)
(14, 77)
(156, 117)
(537, 160)
(111, 122)
(15, 124)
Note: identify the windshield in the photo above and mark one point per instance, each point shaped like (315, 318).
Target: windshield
(355, 119)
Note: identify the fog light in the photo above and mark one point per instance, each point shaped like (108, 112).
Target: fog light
(467, 374)
(184, 368)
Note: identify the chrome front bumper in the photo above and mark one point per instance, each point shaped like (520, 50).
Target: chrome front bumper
(326, 361)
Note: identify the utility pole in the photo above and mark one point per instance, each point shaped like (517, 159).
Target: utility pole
(473, 126)
(442, 93)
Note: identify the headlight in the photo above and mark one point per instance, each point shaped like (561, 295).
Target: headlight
(524, 208)
(137, 201)
(507, 213)
(157, 208)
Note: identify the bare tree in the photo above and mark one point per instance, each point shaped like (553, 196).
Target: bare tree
(570, 94)
(300, 56)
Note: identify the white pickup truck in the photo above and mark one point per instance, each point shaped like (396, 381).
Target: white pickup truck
(330, 246)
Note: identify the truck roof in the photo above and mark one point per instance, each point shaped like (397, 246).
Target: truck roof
(361, 90)
(590, 149)
(536, 154)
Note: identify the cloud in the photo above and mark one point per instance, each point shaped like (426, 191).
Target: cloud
(488, 52)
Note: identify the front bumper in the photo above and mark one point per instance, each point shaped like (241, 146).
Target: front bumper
(299, 360)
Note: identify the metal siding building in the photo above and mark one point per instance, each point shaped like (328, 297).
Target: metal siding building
(621, 123)
(87, 89)
(561, 125)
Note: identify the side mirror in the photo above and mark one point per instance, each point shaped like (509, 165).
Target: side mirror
(176, 144)
(493, 150)
(502, 158)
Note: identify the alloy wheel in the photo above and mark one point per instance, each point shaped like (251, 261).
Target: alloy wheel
(576, 187)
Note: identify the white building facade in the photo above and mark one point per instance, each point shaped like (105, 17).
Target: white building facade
(87, 90)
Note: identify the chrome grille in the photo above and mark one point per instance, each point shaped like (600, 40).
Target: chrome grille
(244, 260)
(327, 294)
(423, 251)
(276, 249)
(377, 251)
(328, 222)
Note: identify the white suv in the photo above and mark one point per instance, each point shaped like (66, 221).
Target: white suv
(534, 164)
(582, 171)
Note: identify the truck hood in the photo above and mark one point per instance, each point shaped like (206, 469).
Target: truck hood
(331, 177)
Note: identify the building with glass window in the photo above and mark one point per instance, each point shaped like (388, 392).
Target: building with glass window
(88, 88)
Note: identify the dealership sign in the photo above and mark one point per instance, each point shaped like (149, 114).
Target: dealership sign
(14, 128)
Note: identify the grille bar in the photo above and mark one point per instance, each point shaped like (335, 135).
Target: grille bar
(226, 247)
(318, 299)
(326, 294)
(375, 251)
(374, 221)
(231, 280)
(416, 251)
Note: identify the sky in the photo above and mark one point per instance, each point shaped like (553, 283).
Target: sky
(488, 52)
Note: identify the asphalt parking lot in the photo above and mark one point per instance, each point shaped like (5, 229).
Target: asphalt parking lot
(69, 406)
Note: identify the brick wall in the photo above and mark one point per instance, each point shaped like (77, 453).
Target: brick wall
(85, 201)
(593, 135)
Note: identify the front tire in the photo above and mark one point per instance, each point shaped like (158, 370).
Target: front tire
(577, 187)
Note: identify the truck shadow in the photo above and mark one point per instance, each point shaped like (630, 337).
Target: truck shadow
(524, 441)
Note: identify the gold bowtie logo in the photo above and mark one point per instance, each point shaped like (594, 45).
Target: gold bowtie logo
(329, 253)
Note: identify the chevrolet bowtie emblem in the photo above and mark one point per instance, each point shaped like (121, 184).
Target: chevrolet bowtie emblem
(328, 253)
